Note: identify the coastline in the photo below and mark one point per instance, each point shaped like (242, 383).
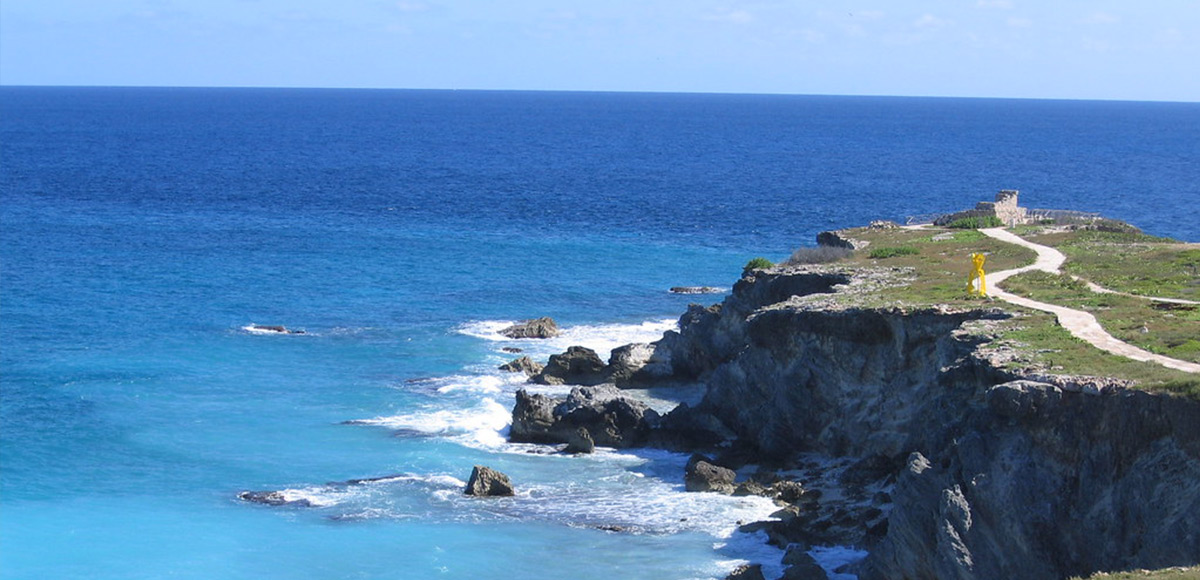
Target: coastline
(878, 414)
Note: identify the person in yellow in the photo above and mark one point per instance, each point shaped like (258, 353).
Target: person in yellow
(977, 272)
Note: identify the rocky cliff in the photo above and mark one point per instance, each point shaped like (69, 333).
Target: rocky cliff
(994, 476)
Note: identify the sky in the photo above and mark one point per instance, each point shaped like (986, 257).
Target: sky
(1061, 49)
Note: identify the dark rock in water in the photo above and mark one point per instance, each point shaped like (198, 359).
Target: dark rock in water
(750, 487)
(788, 491)
(632, 365)
(274, 328)
(522, 365)
(544, 327)
(275, 498)
(802, 566)
(512, 349)
(700, 475)
(746, 572)
(577, 366)
(695, 290)
(580, 442)
(612, 419)
(487, 482)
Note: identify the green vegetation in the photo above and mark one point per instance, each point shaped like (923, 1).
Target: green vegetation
(936, 273)
(818, 255)
(1162, 328)
(892, 252)
(757, 264)
(1192, 573)
(976, 222)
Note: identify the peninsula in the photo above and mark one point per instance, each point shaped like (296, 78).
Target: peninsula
(1047, 427)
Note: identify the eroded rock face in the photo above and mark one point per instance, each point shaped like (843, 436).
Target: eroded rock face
(610, 418)
(1011, 477)
(543, 327)
(487, 482)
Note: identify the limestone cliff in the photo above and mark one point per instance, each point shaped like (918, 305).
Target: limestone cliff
(1001, 477)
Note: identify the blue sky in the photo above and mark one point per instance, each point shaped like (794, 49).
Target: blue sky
(1075, 49)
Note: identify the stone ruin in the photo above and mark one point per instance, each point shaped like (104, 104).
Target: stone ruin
(1005, 208)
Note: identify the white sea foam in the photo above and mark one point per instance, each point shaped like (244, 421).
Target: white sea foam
(752, 549)
(322, 496)
(481, 425)
(601, 338)
(833, 557)
(260, 329)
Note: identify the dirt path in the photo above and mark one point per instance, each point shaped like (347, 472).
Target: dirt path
(1079, 323)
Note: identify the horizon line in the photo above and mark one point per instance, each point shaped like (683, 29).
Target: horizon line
(4, 85)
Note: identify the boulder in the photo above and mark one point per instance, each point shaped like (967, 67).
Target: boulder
(487, 482)
(512, 349)
(577, 366)
(533, 419)
(700, 475)
(522, 365)
(750, 487)
(747, 572)
(801, 565)
(626, 362)
(543, 327)
(611, 419)
(580, 441)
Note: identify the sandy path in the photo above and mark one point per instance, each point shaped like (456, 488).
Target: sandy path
(1079, 323)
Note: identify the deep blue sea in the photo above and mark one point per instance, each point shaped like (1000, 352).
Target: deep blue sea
(144, 229)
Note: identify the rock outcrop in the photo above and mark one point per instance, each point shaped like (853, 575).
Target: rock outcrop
(980, 473)
(579, 365)
(522, 364)
(487, 482)
(702, 475)
(543, 327)
(610, 418)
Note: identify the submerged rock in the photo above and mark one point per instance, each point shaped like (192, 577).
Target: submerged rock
(277, 329)
(273, 498)
(487, 482)
(543, 327)
(696, 290)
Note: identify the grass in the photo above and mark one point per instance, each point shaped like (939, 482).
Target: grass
(942, 262)
(892, 252)
(1128, 262)
(1192, 573)
(1167, 329)
(974, 223)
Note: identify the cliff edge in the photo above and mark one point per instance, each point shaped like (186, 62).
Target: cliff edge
(995, 473)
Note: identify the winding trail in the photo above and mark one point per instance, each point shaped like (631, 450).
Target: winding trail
(1079, 323)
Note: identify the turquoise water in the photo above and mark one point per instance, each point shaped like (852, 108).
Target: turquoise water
(144, 229)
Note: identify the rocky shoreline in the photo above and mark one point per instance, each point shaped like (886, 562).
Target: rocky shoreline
(889, 429)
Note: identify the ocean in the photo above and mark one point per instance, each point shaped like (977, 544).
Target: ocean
(145, 229)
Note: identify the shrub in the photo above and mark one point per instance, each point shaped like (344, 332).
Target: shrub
(892, 251)
(817, 255)
(976, 222)
(758, 264)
